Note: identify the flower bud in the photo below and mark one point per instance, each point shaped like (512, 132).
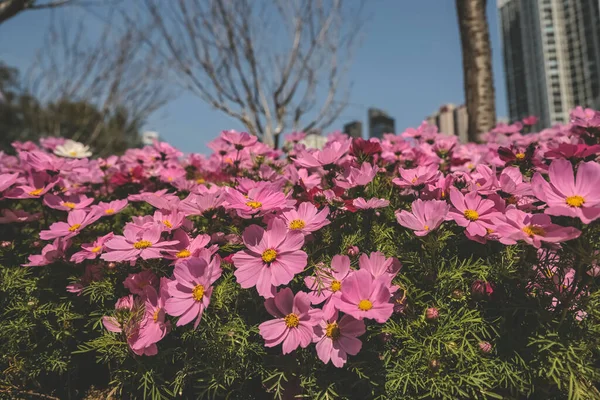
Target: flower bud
(434, 365)
(5, 244)
(485, 347)
(458, 294)
(481, 289)
(352, 251)
(432, 314)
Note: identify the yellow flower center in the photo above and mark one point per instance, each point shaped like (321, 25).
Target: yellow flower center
(336, 286)
(170, 179)
(74, 227)
(443, 195)
(511, 200)
(520, 156)
(109, 211)
(489, 231)
(72, 153)
(69, 204)
(198, 292)
(471, 215)
(291, 320)
(332, 331)
(142, 244)
(426, 228)
(297, 224)
(200, 181)
(254, 204)
(575, 201)
(36, 192)
(549, 273)
(269, 255)
(96, 249)
(156, 314)
(365, 305)
(531, 230)
(185, 253)
(168, 224)
(414, 180)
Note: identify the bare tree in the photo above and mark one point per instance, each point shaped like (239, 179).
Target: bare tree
(477, 66)
(110, 72)
(271, 64)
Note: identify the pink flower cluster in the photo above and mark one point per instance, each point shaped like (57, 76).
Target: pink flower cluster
(538, 189)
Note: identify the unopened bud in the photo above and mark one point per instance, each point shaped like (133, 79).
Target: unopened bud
(485, 347)
(432, 313)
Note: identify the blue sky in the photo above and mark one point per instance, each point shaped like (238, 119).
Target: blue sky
(409, 64)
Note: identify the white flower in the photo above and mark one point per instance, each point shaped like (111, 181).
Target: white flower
(72, 149)
(313, 141)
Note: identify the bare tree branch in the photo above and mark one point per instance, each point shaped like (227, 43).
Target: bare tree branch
(271, 64)
(111, 73)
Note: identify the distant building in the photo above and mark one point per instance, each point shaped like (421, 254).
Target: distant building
(353, 129)
(461, 123)
(551, 52)
(149, 137)
(380, 123)
(451, 120)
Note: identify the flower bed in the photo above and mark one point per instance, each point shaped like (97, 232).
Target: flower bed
(407, 267)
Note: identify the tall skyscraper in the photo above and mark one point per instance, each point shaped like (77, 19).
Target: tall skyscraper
(451, 120)
(551, 54)
(353, 129)
(380, 123)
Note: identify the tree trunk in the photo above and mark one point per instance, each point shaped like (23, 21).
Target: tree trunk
(477, 66)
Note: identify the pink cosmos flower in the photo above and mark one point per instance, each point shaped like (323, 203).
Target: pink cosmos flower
(198, 204)
(294, 321)
(106, 209)
(37, 185)
(90, 251)
(331, 153)
(381, 268)
(259, 201)
(530, 120)
(327, 284)
(18, 216)
(569, 196)
(306, 219)
(271, 258)
(365, 297)
(426, 216)
(239, 140)
(336, 339)
(472, 212)
(415, 177)
(585, 118)
(7, 180)
(50, 253)
(191, 289)
(127, 303)
(515, 225)
(137, 283)
(153, 326)
(144, 243)
(363, 204)
(358, 176)
(573, 152)
(76, 221)
(171, 219)
(187, 247)
(73, 202)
